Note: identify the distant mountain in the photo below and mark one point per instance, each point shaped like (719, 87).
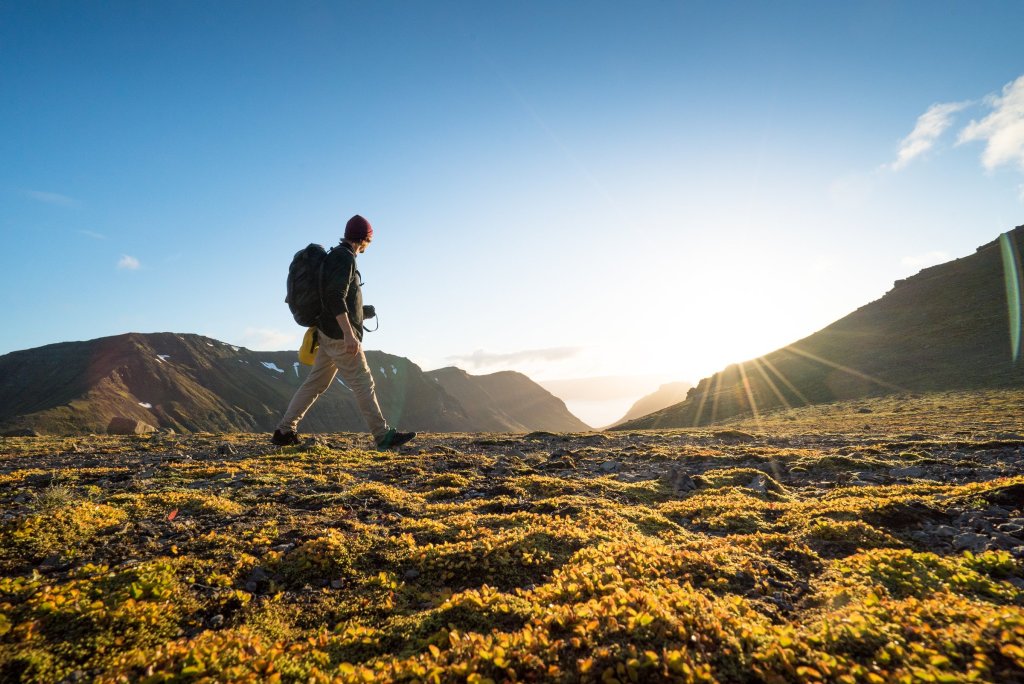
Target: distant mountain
(952, 326)
(194, 383)
(666, 395)
(507, 402)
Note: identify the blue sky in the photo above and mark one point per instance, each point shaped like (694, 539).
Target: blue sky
(568, 189)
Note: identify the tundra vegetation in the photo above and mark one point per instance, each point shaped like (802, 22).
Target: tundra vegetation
(873, 541)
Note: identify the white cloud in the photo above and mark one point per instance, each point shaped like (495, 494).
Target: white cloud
(128, 263)
(1003, 129)
(93, 234)
(483, 359)
(51, 198)
(930, 126)
(270, 339)
(924, 260)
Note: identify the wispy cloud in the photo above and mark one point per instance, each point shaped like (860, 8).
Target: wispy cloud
(51, 198)
(269, 339)
(484, 359)
(930, 126)
(94, 235)
(925, 260)
(1003, 129)
(128, 263)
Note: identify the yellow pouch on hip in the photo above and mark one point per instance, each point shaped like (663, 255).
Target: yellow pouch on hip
(310, 343)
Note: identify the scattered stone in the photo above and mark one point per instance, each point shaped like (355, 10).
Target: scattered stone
(559, 453)
(226, 450)
(446, 450)
(611, 466)
(944, 532)
(864, 409)
(119, 425)
(311, 443)
(411, 574)
(678, 480)
(908, 471)
(20, 432)
(969, 541)
(217, 621)
(758, 484)
(734, 436)
(1017, 551)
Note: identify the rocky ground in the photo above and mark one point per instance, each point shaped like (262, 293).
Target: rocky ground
(874, 541)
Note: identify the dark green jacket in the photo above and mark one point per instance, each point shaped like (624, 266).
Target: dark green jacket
(342, 293)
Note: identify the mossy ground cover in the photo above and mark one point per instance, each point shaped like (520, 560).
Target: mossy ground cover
(874, 541)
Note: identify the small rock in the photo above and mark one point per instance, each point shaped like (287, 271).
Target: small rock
(119, 425)
(1010, 528)
(558, 453)
(411, 574)
(733, 436)
(758, 484)
(283, 548)
(257, 575)
(611, 466)
(909, 471)
(217, 621)
(969, 541)
(944, 532)
(678, 480)
(1017, 551)
(336, 584)
(225, 450)
(20, 432)
(864, 409)
(311, 443)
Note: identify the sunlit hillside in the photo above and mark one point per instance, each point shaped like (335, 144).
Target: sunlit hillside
(957, 325)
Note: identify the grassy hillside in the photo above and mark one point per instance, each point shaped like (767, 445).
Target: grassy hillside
(949, 327)
(506, 401)
(872, 541)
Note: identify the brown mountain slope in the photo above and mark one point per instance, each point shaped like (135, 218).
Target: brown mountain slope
(666, 395)
(948, 327)
(507, 402)
(193, 383)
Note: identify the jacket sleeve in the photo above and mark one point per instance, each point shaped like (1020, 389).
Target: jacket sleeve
(337, 280)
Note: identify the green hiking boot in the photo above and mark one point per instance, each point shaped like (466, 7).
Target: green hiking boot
(394, 439)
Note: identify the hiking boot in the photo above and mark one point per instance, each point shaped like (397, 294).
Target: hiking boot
(284, 438)
(394, 439)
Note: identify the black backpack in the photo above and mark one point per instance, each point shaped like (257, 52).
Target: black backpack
(305, 285)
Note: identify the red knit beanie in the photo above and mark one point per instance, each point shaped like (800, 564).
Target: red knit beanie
(358, 229)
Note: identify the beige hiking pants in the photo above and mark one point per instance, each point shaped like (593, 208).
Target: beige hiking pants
(355, 373)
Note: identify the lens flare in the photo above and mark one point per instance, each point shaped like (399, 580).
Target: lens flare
(1014, 300)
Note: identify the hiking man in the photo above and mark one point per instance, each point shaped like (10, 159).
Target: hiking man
(340, 331)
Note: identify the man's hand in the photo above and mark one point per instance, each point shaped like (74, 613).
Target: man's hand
(352, 345)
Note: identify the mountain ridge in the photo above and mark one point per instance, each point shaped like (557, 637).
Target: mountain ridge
(193, 383)
(944, 328)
